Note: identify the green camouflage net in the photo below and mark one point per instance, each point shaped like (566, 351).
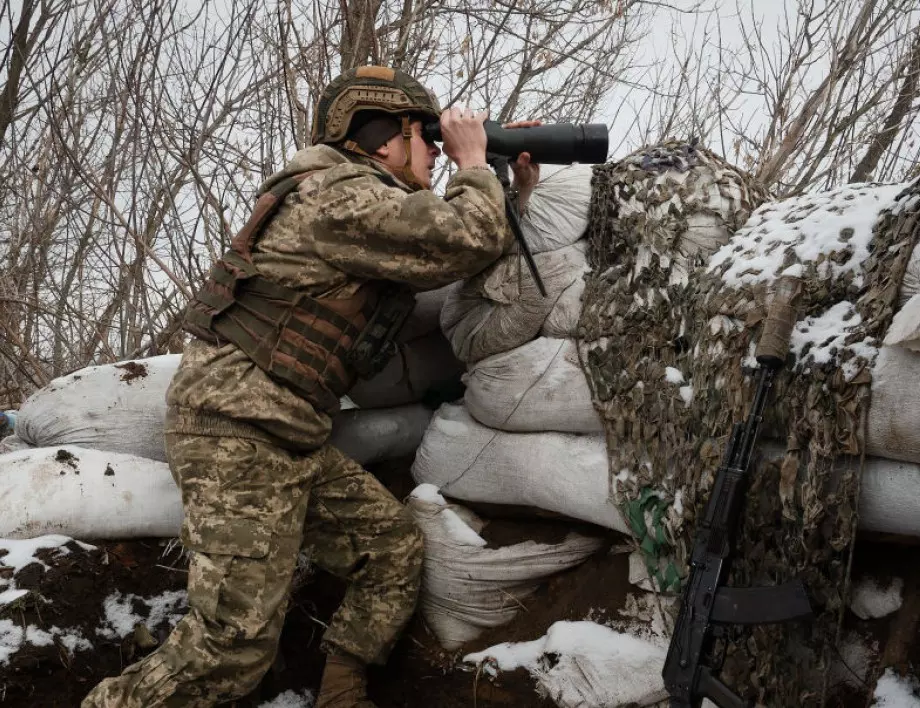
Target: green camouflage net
(666, 345)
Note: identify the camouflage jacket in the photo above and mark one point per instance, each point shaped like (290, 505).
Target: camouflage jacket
(342, 226)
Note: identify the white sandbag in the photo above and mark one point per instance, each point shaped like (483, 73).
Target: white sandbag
(13, 443)
(86, 494)
(910, 284)
(904, 330)
(555, 471)
(116, 407)
(894, 413)
(568, 474)
(538, 386)
(121, 407)
(377, 434)
(467, 588)
(421, 365)
(557, 211)
(562, 320)
(501, 308)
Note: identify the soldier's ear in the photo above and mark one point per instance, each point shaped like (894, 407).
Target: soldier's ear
(385, 150)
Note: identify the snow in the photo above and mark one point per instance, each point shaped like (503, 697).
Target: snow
(672, 375)
(804, 228)
(13, 638)
(893, 691)
(459, 531)
(290, 699)
(583, 663)
(429, 493)
(19, 554)
(870, 600)
(120, 618)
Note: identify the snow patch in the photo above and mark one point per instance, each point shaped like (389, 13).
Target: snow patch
(672, 375)
(290, 699)
(893, 691)
(121, 619)
(780, 235)
(870, 600)
(21, 553)
(583, 663)
(13, 638)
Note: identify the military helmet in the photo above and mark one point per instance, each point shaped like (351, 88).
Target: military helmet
(377, 88)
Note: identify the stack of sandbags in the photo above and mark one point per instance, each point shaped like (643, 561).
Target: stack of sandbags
(111, 417)
(529, 434)
(526, 419)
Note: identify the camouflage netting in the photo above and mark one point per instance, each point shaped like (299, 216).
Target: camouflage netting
(666, 345)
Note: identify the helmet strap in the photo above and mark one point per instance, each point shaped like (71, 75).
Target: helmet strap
(405, 172)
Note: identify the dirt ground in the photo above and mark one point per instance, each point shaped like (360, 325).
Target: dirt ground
(418, 675)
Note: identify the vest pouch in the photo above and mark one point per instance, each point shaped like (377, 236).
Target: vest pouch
(376, 344)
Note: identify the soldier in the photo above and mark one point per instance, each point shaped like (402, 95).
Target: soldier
(308, 298)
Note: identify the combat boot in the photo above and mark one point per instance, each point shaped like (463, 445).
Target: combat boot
(344, 684)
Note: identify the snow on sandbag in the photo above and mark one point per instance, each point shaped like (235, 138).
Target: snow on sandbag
(86, 494)
(568, 474)
(535, 387)
(116, 407)
(468, 588)
(421, 365)
(579, 664)
(557, 211)
(559, 472)
(377, 434)
(501, 308)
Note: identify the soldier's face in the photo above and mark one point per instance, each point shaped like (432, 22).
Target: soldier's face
(424, 155)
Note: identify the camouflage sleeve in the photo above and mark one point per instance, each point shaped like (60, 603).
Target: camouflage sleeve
(371, 230)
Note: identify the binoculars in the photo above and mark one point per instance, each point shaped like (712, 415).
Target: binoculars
(553, 144)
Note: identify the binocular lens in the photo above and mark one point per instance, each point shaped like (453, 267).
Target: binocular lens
(553, 144)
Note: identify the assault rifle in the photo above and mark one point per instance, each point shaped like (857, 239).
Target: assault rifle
(708, 608)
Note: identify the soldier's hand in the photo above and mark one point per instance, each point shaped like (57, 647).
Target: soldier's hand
(526, 173)
(464, 136)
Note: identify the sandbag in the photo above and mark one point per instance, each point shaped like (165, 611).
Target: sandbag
(559, 472)
(904, 330)
(535, 387)
(425, 365)
(501, 308)
(121, 407)
(562, 320)
(376, 434)
(86, 494)
(557, 211)
(468, 588)
(568, 474)
(116, 407)
(894, 413)
(425, 318)
(12, 443)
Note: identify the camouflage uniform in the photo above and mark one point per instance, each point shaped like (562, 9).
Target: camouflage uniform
(258, 480)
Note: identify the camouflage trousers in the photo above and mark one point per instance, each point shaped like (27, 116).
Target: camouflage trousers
(249, 509)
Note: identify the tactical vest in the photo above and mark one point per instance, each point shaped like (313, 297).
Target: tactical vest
(316, 346)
